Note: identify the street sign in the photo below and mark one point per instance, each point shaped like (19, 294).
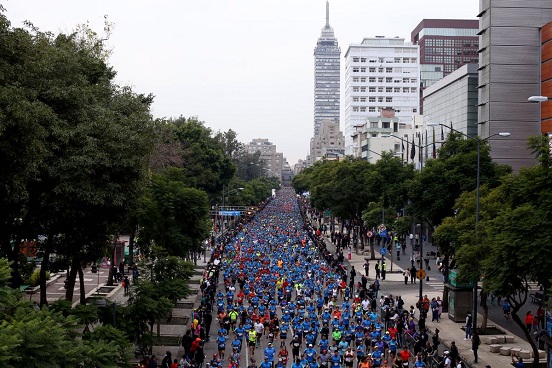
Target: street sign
(383, 233)
(383, 251)
(370, 234)
(229, 213)
(421, 274)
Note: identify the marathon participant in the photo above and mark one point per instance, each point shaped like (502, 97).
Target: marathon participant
(278, 278)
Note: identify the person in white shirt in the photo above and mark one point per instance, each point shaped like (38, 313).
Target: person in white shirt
(448, 361)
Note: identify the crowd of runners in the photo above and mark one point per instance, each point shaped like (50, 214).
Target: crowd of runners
(273, 285)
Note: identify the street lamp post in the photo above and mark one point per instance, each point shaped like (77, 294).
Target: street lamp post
(477, 200)
(224, 194)
(420, 147)
(539, 99)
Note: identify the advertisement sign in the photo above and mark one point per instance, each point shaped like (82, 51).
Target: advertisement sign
(452, 278)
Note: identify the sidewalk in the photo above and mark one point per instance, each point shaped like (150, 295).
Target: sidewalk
(448, 330)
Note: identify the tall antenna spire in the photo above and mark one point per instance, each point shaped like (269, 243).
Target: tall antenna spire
(327, 14)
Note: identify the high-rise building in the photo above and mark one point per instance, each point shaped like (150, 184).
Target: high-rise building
(445, 45)
(328, 142)
(380, 73)
(546, 80)
(509, 72)
(453, 100)
(274, 160)
(326, 75)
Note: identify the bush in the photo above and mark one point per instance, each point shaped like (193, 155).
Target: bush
(35, 277)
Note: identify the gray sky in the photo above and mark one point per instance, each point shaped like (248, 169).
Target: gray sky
(245, 65)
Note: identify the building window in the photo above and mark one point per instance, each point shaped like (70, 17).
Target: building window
(373, 124)
(372, 70)
(355, 70)
(371, 99)
(380, 80)
(388, 80)
(362, 60)
(355, 108)
(355, 60)
(363, 99)
(397, 89)
(362, 89)
(385, 124)
(389, 70)
(388, 89)
(371, 109)
(380, 70)
(363, 79)
(380, 99)
(363, 70)
(388, 99)
(372, 89)
(355, 89)
(355, 79)
(355, 99)
(372, 80)
(362, 109)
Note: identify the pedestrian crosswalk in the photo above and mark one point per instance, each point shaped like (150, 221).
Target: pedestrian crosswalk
(435, 284)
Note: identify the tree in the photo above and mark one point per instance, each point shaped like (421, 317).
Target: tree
(91, 142)
(171, 276)
(435, 189)
(499, 250)
(207, 166)
(173, 216)
(36, 338)
(144, 308)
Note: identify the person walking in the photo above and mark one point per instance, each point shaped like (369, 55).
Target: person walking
(468, 326)
(366, 266)
(476, 341)
(506, 310)
(529, 321)
(406, 275)
(377, 267)
(413, 275)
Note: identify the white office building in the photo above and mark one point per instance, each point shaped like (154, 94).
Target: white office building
(380, 73)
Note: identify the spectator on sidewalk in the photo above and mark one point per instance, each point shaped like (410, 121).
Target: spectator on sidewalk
(413, 274)
(406, 275)
(476, 341)
(366, 268)
(468, 326)
(453, 351)
(529, 321)
(126, 284)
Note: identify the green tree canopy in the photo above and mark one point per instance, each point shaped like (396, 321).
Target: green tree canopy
(173, 216)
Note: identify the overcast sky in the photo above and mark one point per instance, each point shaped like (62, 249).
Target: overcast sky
(245, 65)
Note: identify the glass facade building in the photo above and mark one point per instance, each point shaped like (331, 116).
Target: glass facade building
(445, 45)
(326, 76)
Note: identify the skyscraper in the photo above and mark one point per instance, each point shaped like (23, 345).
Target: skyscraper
(509, 72)
(445, 45)
(326, 75)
